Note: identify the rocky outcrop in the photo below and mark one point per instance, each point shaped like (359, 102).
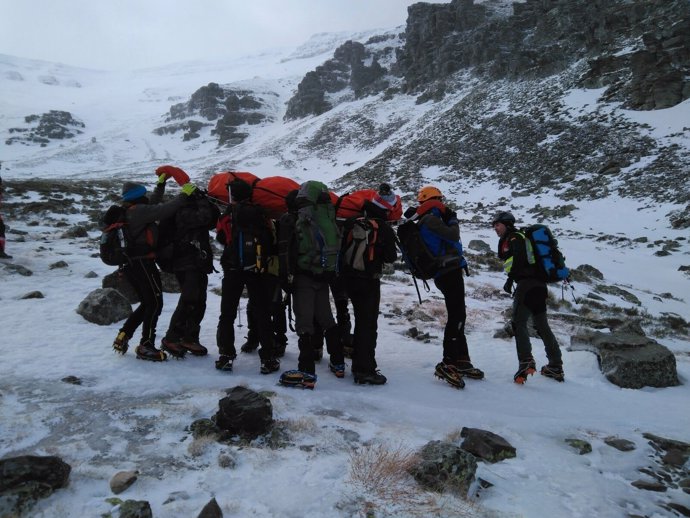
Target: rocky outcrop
(347, 69)
(629, 360)
(639, 50)
(42, 129)
(486, 445)
(230, 108)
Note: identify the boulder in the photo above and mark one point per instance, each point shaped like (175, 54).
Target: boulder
(244, 412)
(25, 479)
(135, 509)
(122, 480)
(486, 445)
(119, 282)
(629, 360)
(445, 467)
(211, 510)
(104, 307)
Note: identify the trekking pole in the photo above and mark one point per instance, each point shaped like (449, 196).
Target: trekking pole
(414, 279)
(566, 284)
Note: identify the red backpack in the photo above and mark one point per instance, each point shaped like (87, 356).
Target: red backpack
(218, 184)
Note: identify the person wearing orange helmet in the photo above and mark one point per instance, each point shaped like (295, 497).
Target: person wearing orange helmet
(439, 228)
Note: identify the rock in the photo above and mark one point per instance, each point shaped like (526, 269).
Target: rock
(585, 273)
(445, 467)
(59, 264)
(122, 480)
(204, 428)
(618, 292)
(33, 295)
(479, 246)
(76, 231)
(650, 486)
(26, 479)
(119, 282)
(91, 275)
(627, 360)
(666, 444)
(135, 509)
(104, 307)
(620, 444)
(72, 380)
(211, 510)
(675, 458)
(681, 509)
(244, 412)
(17, 268)
(582, 446)
(486, 445)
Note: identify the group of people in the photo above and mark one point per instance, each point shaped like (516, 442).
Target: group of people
(3, 254)
(281, 268)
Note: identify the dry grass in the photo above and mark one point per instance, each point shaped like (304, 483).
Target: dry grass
(199, 446)
(380, 475)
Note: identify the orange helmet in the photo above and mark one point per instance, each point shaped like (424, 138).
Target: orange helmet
(428, 192)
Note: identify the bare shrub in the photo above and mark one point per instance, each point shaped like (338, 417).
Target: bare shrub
(381, 476)
(199, 445)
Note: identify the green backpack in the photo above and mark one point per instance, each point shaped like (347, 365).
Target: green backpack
(318, 235)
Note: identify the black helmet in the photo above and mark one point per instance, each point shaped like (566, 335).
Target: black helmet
(504, 217)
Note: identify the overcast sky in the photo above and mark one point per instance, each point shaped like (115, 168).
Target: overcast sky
(129, 34)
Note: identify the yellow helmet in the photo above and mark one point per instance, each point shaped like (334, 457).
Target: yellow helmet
(428, 192)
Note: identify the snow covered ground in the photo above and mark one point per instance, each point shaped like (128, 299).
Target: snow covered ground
(134, 415)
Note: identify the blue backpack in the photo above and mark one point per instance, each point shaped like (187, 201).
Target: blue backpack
(546, 253)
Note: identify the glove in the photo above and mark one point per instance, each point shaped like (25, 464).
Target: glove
(178, 174)
(188, 189)
(162, 178)
(411, 211)
(450, 217)
(508, 287)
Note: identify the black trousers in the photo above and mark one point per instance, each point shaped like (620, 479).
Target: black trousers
(277, 312)
(144, 277)
(452, 285)
(259, 289)
(365, 295)
(185, 323)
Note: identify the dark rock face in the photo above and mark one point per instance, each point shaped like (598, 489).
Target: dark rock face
(245, 412)
(54, 125)
(25, 479)
(347, 69)
(629, 361)
(541, 38)
(230, 108)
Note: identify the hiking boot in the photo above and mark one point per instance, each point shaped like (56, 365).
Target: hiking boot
(3, 255)
(338, 369)
(465, 368)
(553, 372)
(121, 343)
(526, 368)
(270, 365)
(175, 349)
(449, 373)
(318, 354)
(224, 363)
(299, 379)
(249, 346)
(147, 351)
(195, 348)
(369, 378)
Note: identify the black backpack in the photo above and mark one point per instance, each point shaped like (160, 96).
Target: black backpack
(420, 261)
(115, 237)
(251, 241)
